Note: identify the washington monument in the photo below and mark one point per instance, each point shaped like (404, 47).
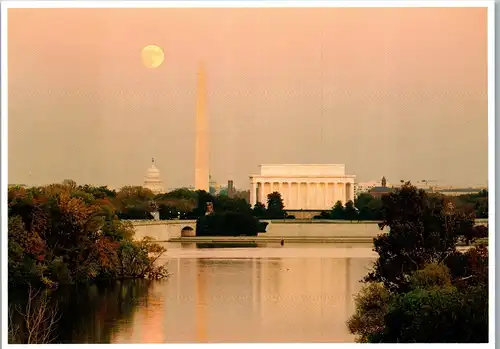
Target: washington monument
(201, 171)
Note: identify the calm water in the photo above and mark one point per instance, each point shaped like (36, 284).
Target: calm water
(294, 293)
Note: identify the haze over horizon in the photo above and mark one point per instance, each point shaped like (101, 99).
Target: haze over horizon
(394, 92)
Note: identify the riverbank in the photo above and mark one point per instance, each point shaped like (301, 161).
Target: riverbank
(278, 239)
(275, 239)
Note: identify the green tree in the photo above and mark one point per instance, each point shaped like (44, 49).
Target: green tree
(181, 193)
(172, 208)
(440, 315)
(436, 308)
(167, 211)
(369, 208)
(422, 229)
(421, 288)
(101, 192)
(481, 207)
(226, 204)
(477, 203)
(338, 210)
(275, 206)
(259, 210)
(350, 212)
(202, 198)
(371, 304)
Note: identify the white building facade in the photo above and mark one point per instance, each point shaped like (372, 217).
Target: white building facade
(153, 181)
(303, 187)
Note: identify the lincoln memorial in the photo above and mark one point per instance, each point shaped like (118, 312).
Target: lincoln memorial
(303, 187)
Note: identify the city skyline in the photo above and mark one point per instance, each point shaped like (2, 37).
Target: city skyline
(398, 92)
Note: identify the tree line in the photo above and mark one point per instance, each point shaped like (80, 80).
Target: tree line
(368, 207)
(137, 203)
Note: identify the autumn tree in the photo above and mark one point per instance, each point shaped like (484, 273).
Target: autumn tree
(134, 202)
(61, 234)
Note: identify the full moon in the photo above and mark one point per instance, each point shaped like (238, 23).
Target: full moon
(152, 56)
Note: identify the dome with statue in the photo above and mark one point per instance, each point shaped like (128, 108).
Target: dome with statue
(153, 180)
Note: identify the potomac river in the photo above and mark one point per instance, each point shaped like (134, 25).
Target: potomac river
(255, 293)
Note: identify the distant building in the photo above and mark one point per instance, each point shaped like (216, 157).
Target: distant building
(381, 190)
(365, 187)
(153, 181)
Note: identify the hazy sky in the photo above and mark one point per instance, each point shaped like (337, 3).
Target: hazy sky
(386, 91)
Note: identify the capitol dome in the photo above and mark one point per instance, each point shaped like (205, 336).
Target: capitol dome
(153, 173)
(153, 181)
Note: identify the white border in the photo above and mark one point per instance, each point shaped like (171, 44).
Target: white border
(253, 4)
(491, 170)
(4, 172)
(240, 4)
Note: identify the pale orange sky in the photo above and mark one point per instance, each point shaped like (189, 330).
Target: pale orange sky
(396, 92)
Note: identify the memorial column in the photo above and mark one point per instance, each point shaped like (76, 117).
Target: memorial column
(317, 196)
(261, 192)
(307, 195)
(299, 199)
(289, 191)
(325, 194)
(342, 193)
(334, 193)
(253, 193)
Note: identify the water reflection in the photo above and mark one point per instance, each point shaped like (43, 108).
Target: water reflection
(247, 295)
(229, 245)
(201, 305)
(250, 300)
(90, 314)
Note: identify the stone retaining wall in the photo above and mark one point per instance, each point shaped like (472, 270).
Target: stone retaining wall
(166, 230)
